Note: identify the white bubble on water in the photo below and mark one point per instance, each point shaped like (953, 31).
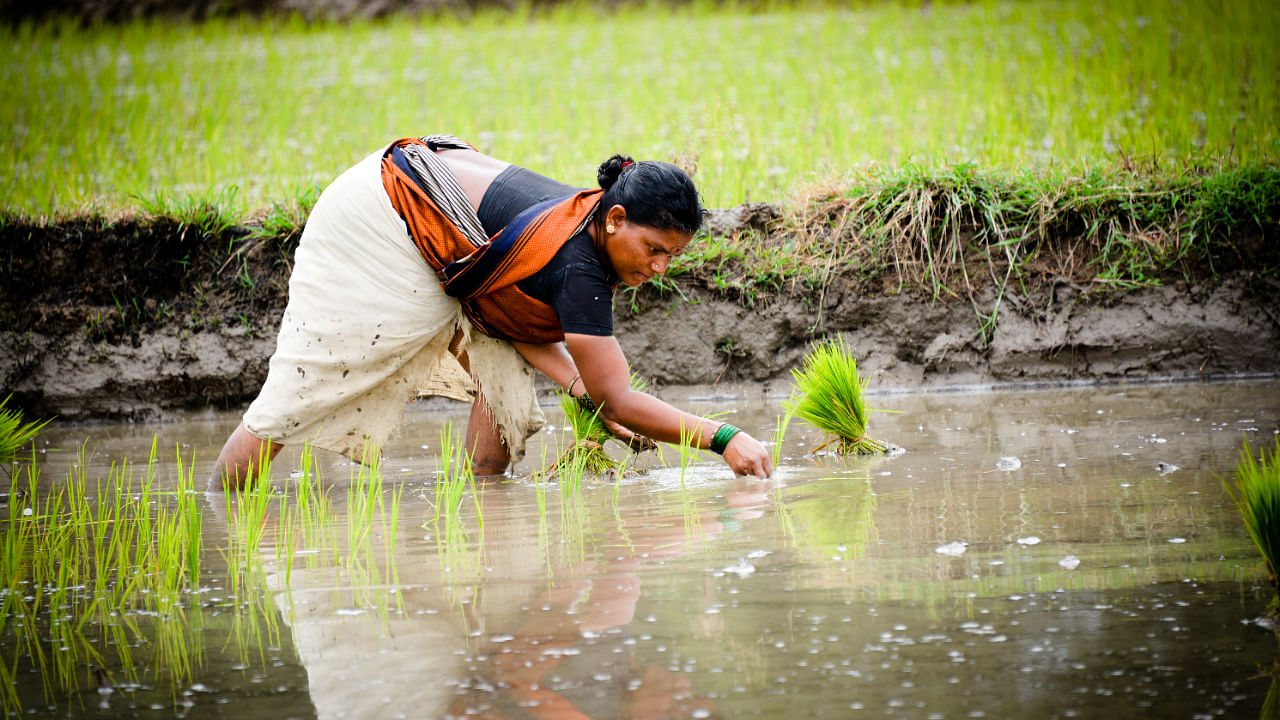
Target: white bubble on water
(1029, 540)
(1070, 562)
(1177, 540)
(953, 549)
(1008, 462)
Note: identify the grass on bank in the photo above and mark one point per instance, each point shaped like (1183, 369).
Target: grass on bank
(960, 232)
(112, 119)
(950, 230)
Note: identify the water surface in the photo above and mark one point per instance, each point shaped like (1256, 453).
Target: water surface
(1086, 578)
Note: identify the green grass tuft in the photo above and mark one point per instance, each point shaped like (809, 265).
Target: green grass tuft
(828, 393)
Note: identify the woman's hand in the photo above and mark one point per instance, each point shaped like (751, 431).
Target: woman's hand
(747, 456)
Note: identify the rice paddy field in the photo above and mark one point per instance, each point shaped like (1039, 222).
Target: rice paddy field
(1035, 553)
(764, 104)
(1061, 553)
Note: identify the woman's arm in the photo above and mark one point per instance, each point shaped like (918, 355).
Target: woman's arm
(553, 361)
(607, 377)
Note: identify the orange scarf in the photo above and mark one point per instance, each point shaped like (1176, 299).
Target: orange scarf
(484, 278)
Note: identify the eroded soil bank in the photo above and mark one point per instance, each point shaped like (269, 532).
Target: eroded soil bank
(127, 321)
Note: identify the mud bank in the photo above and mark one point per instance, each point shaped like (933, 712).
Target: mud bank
(130, 322)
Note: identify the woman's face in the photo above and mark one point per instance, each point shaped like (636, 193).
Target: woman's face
(638, 252)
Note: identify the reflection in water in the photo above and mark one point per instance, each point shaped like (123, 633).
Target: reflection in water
(683, 591)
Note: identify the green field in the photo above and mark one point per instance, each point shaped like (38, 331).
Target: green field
(766, 104)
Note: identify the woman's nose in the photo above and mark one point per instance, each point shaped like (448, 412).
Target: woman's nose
(660, 264)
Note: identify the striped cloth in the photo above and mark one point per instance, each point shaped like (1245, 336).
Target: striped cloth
(442, 185)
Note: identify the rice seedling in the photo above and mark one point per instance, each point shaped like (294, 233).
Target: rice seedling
(779, 433)
(828, 393)
(455, 474)
(1256, 492)
(453, 541)
(586, 453)
(247, 509)
(14, 433)
(371, 515)
(82, 570)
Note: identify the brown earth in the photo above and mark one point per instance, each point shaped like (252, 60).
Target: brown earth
(129, 320)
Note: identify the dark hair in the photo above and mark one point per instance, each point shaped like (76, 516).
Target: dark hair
(655, 194)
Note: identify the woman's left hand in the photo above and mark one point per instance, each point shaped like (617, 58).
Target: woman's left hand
(747, 456)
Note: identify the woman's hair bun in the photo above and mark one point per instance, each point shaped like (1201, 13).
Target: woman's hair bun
(609, 170)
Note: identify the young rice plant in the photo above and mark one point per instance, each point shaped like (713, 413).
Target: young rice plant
(828, 393)
(1256, 492)
(586, 454)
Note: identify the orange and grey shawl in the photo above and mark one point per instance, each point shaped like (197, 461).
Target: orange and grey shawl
(483, 274)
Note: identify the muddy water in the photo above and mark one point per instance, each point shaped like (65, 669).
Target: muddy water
(1031, 555)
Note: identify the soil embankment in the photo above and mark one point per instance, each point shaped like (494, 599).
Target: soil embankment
(125, 320)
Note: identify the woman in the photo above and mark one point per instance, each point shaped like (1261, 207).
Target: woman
(377, 315)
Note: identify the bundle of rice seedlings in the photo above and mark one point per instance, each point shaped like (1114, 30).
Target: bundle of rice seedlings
(15, 434)
(589, 436)
(586, 454)
(827, 393)
(1256, 493)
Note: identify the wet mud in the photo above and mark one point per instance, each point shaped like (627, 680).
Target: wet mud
(130, 321)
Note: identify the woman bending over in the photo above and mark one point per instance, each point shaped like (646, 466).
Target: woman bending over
(428, 259)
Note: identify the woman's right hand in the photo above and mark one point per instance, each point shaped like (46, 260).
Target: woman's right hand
(746, 456)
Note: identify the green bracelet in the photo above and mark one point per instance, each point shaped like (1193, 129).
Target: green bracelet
(585, 403)
(722, 437)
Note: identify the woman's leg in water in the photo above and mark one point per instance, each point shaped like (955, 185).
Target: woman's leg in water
(489, 454)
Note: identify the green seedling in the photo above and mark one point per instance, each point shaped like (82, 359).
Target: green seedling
(586, 454)
(828, 393)
(14, 433)
(1256, 492)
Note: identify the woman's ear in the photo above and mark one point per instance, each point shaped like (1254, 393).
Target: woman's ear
(616, 216)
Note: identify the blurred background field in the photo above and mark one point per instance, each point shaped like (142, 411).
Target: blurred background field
(763, 102)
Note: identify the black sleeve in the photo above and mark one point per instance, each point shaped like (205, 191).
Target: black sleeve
(583, 299)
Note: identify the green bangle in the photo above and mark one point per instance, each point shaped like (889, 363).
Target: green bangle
(722, 437)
